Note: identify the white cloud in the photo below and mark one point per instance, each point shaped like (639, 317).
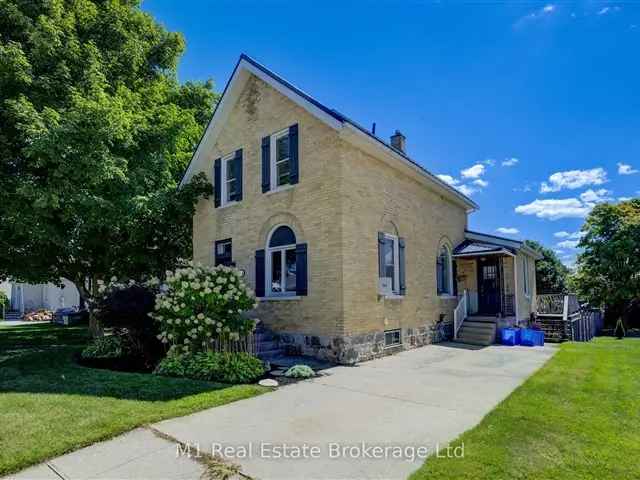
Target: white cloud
(535, 15)
(604, 10)
(569, 244)
(563, 234)
(555, 209)
(448, 179)
(508, 230)
(598, 196)
(467, 190)
(573, 179)
(624, 199)
(475, 171)
(626, 169)
(559, 251)
(490, 162)
(510, 162)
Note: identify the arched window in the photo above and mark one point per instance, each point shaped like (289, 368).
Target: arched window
(443, 271)
(281, 262)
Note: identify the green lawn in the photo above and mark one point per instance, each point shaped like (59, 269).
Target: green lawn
(577, 418)
(49, 405)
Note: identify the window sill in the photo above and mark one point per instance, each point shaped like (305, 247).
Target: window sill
(282, 188)
(277, 298)
(447, 297)
(394, 296)
(229, 204)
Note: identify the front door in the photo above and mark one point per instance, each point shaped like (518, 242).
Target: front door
(488, 286)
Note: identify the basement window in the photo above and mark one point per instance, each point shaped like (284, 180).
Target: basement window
(392, 338)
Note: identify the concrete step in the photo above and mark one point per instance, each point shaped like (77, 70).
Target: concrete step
(478, 328)
(473, 323)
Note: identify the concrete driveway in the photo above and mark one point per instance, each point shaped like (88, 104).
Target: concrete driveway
(373, 421)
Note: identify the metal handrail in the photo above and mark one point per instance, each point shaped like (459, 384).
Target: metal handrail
(460, 314)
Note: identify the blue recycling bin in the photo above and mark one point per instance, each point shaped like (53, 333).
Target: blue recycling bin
(510, 336)
(532, 338)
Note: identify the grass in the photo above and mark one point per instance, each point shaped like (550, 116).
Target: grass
(49, 405)
(577, 418)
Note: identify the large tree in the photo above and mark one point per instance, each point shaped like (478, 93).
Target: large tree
(95, 132)
(608, 270)
(551, 273)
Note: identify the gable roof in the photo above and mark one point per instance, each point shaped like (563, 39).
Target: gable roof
(347, 128)
(477, 243)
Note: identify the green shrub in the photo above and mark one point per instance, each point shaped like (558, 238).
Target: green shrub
(200, 304)
(104, 347)
(299, 371)
(212, 366)
(619, 331)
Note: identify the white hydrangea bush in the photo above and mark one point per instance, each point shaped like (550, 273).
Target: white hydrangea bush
(199, 304)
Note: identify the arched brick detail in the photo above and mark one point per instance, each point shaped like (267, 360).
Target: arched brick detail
(281, 218)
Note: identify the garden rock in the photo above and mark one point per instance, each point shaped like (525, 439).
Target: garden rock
(277, 373)
(268, 382)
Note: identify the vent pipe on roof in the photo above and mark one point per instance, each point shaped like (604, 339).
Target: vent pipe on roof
(398, 141)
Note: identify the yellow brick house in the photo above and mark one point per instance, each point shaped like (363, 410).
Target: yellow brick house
(354, 250)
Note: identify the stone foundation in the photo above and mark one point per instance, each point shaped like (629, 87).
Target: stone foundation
(348, 350)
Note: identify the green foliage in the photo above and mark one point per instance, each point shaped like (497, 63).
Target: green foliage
(214, 366)
(551, 274)
(201, 304)
(95, 133)
(300, 371)
(110, 346)
(53, 405)
(4, 300)
(608, 270)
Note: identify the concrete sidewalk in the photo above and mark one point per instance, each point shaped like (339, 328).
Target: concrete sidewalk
(419, 398)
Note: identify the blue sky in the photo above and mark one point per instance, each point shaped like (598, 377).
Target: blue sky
(472, 85)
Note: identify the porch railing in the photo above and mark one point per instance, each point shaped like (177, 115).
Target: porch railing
(563, 316)
(460, 313)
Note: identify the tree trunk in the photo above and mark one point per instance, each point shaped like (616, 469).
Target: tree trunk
(87, 293)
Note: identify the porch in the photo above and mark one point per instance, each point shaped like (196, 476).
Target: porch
(487, 279)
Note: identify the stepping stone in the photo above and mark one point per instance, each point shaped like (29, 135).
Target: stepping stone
(268, 382)
(277, 373)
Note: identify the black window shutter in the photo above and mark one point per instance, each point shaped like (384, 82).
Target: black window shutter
(266, 164)
(237, 166)
(260, 273)
(454, 268)
(217, 182)
(401, 267)
(301, 269)
(380, 254)
(294, 174)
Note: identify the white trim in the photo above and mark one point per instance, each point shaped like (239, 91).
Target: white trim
(269, 293)
(224, 161)
(483, 254)
(279, 298)
(291, 95)
(448, 294)
(396, 265)
(273, 160)
(283, 188)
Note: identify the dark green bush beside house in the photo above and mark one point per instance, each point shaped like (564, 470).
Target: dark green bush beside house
(225, 367)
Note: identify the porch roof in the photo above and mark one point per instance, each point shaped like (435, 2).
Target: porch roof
(472, 248)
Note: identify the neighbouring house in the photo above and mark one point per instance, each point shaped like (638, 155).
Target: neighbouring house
(353, 249)
(26, 297)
